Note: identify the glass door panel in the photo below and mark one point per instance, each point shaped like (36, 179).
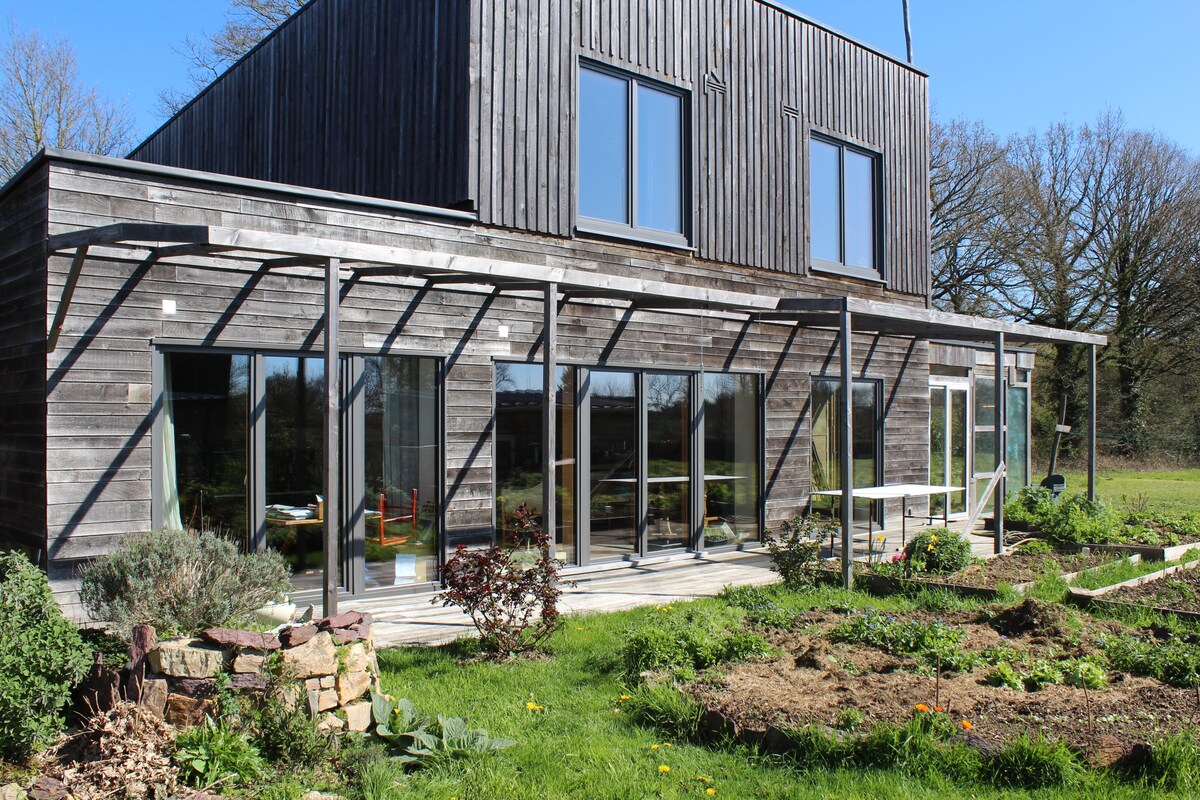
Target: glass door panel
(669, 447)
(826, 449)
(938, 446)
(731, 459)
(400, 470)
(613, 483)
(948, 436)
(294, 464)
(1017, 443)
(206, 413)
(957, 439)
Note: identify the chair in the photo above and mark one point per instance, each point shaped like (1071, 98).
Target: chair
(411, 517)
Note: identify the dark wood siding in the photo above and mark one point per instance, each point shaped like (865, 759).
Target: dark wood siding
(360, 96)
(23, 365)
(100, 403)
(759, 80)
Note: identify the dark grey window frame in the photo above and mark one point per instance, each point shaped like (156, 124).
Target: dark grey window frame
(352, 569)
(632, 231)
(840, 267)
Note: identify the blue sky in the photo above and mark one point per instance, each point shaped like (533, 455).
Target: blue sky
(1015, 64)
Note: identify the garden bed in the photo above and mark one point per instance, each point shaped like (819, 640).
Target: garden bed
(817, 679)
(1174, 590)
(984, 579)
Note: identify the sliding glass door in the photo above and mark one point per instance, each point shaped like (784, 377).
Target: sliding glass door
(615, 465)
(949, 429)
(668, 460)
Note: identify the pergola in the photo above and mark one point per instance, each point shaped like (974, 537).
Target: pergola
(337, 261)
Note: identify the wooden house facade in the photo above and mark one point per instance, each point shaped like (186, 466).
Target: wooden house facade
(654, 269)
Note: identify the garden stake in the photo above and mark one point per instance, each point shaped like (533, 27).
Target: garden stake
(937, 683)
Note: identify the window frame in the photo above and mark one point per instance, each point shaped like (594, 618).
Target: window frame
(631, 230)
(875, 274)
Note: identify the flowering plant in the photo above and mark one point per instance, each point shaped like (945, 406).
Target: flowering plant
(938, 550)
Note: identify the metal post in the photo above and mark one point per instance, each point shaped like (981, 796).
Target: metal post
(998, 497)
(845, 451)
(1092, 424)
(333, 480)
(550, 411)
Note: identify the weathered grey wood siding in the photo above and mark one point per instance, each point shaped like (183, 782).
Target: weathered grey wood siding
(100, 404)
(360, 96)
(759, 80)
(22, 366)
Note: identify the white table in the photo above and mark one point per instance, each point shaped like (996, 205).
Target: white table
(892, 491)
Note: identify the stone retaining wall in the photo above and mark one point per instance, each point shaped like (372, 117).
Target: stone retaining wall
(329, 665)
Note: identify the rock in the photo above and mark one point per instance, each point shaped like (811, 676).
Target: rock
(98, 691)
(47, 788)
(154, 695)
(312, 685)
(248, 663)
(329, 682)
(343, 620)
(315, 657)
(331, 722)
(245, 681)
(346, 635)
(245, 640)
(314, 703)
(290, 695)
(12, 792)
(144, 640)
(187, 658)
(315, 795)
(194, 687)
(187, 712)
(355, 658)
(351, 686)
(327, 699)
(358, 715)
(297, 635)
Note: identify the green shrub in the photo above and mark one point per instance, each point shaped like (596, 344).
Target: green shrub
(41, 658)
(1042, 673)
(1003, 675)
(1032, 504)
(1085, 674)
(938, 551)
(1174, 661)
(692, 639)
(1034, 547)
(211, 752)
(795, 550)
(180, 582)
(1077, 520)
(665, 707)
(1033, 764)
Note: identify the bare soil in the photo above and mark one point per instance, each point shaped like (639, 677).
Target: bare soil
(1179, 590)
(815, 678)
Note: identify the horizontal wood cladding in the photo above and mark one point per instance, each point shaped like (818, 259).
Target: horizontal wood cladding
(366, 97)
(23, 366)
(759, 81)
(100, 449)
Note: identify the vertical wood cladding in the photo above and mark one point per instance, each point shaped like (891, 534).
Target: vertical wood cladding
(99, 401)
(23, 366)
(361, 96)
(759, 79)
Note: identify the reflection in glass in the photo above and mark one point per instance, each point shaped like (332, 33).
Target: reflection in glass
(603, 146)
(860, 210)
(668, 441)
(826, 450)
(518, 441)
(937, 445)
(400, 470)
(958, 449)
(614, 465)
(731, 459)
(206, 415)
(948, 446)
(660, 160)
(825, 200)
(295, 464)
(1017, 456)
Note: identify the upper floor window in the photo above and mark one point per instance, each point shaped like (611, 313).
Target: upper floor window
(844, 208)
(631, 154)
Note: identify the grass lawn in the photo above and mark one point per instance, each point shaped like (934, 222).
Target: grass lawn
(578, 747)
(1168, 492)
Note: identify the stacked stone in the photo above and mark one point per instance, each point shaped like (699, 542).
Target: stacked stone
(329, 665)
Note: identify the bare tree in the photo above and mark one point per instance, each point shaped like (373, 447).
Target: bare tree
(43, 103)
(247, 22)
(966, 215)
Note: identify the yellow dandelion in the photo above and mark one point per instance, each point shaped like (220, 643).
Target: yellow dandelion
(704, 779)
(710, 791)
(666, 744)
(578, 627)
(624, 697)
(653, 747)
(663, 769)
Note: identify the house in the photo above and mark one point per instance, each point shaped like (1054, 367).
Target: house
(658, 269)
